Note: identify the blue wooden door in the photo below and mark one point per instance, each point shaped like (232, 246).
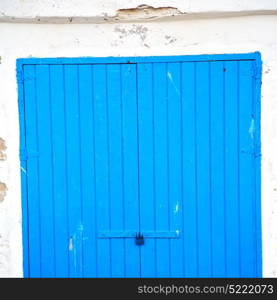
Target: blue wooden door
(141, 167)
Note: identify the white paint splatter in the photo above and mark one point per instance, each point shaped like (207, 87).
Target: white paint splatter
(70, 247)
(80, 227)
(176, 209)
(251, 129)
(177, 232)
(23, 170)
(169, 75)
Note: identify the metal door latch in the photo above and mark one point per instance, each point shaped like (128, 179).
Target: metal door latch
(139, 239)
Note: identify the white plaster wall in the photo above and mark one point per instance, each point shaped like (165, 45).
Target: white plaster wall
(199, 36)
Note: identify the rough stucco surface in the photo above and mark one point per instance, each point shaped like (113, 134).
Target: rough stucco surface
(199, 36)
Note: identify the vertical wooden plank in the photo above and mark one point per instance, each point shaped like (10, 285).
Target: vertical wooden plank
(33, 180)
(203, 165)
(146, 158)
(130, 166)
(247, 180)
(160, 166)
(59, 170)
(73, 170)
(115, 158)
(217, 168)
(88, 169)
(190, 227)
(102, 168)
(174, 165)
(232, 170)
(44, 107)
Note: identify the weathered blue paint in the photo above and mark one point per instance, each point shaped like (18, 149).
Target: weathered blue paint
(168, 147)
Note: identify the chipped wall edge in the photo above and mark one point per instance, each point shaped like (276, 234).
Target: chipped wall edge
(146, 14)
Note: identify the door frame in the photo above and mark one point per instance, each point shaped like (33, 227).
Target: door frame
(20, 62)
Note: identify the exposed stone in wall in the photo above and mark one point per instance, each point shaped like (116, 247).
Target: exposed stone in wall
(3, 190)
(146, 12)
(2, 149)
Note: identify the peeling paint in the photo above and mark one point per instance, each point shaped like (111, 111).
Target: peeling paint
(3, 147)
(75, 245)
(3, 190)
